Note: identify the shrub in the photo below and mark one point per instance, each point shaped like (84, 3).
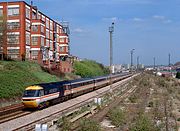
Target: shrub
(89, 125)
(16, 76)
(150, 104)
(88, 68)
(117, 116)
(143, 124)
(178, 75)
(178, 119)
(63, 124)
(133, 99)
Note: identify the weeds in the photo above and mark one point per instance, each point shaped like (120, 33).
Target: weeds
(143, 123)
(89, 125)
(117, 116)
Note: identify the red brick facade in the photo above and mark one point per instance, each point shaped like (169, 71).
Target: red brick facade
(31, 35)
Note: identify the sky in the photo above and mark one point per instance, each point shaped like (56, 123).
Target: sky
(151, 27)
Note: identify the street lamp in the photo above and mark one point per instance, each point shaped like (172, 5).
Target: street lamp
(132, 51)
(111, 30)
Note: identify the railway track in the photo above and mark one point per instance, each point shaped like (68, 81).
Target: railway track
(14, 115)
(10, 109)
(47, 117)
(31, 126)
(12, 112)
(100, 115)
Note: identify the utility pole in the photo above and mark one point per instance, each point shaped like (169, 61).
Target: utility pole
(138, 63)
(169, 55)
(132, 51)
(154, 59)
(169, 59)
(111, 30)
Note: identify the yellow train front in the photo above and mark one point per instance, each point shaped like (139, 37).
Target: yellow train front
(39, 96)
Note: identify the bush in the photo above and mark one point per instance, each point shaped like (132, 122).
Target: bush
(133, 99)
(16, 76)
(89, 125)
(117, 116)
(63, 124)
(143, 124)
(178, 75)
(150, 104)
(178, 119)
(88, 68)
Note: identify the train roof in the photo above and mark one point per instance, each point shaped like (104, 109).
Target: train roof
(68, 82)
(65, 82)
(78, 81)
(100, 77)
(52, 84)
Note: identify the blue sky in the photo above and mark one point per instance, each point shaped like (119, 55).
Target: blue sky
(151, 27)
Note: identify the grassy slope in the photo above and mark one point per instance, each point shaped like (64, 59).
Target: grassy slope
(15, 76)
(88, 68)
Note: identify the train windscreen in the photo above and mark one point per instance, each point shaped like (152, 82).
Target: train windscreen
(31, 93)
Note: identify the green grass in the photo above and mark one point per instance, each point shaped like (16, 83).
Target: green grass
(16, 76)
(88, 68)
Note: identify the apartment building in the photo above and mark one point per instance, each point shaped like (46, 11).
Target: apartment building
(32, 35)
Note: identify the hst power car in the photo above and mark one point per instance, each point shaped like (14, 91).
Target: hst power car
(42, 95)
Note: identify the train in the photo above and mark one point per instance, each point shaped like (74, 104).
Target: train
(45, 94)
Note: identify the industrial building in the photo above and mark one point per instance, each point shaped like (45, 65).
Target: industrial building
(32, 35)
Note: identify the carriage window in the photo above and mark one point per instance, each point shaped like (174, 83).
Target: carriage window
(41, 93)
(53, 90)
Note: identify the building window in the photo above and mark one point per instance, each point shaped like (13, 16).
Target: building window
(42, 41)
(12, 56)
(62, 49)
(47, 34)
(13, 38)
(42, 29)
(51, 45)
(1, 12)
(51, 35)
(13, 51)
(34, 40)
(34, 54)
(57, 30)
(27, 13)
(13, 11)
(47, 23)
(43, 18)
(57, 47)
(60, 31)
(51, 25)
(47, 42)
(27, 39)
(35, 28)
(27, 26)
(33, 15)
(61, 40)
(13, 25)
(39, 16)
(57, 39)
